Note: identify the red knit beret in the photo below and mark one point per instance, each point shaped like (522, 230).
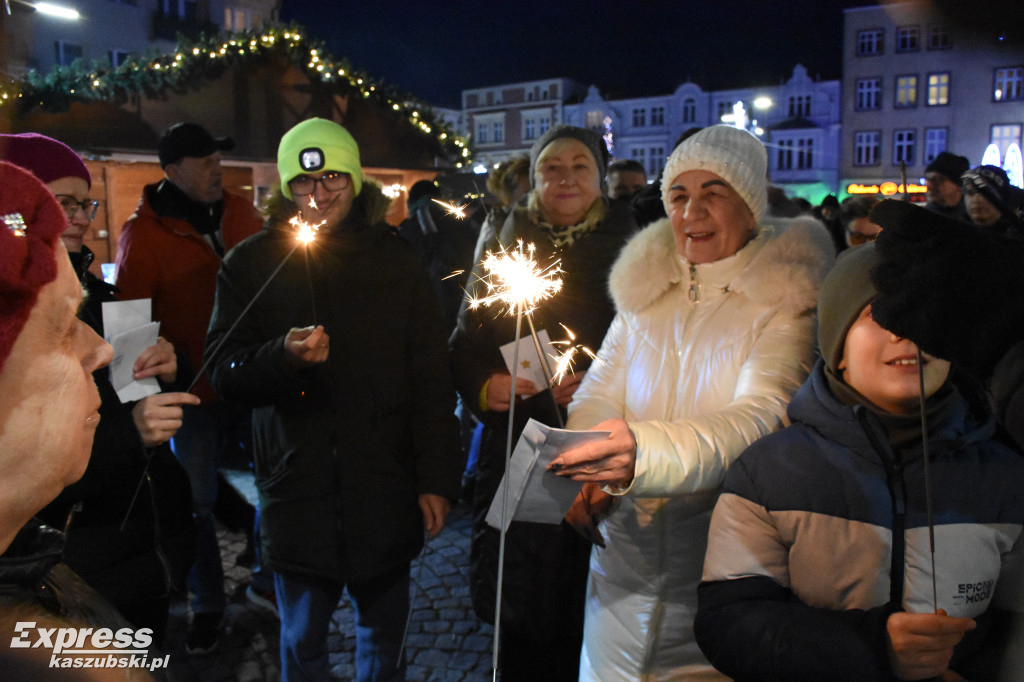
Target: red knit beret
(47, 158)
(31, 222)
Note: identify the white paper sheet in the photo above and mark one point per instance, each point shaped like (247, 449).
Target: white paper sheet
(120, 316)
(529, 361)
(127, 348)
(127, 327)
(535, 494)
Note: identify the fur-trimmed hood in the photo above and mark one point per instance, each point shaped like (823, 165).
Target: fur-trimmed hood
(783, 266)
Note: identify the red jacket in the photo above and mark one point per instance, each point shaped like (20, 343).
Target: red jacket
(169, 261)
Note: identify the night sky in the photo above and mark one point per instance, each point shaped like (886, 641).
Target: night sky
(627, 48)
(433, 50)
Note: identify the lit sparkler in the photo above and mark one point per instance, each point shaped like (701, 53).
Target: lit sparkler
(452, 208)
(564, 361)
(514, 279)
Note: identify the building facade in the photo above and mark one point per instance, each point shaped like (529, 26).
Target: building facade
(505, 120)
(915, 84)
(798, 120)
(111, 30)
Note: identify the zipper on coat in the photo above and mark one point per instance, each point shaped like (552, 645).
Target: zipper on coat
(694, 292)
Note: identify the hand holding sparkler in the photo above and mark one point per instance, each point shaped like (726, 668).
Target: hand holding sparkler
(921, 644)
(306, 346)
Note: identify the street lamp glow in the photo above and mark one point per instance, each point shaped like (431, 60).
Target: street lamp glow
(57, 11)
(762, 102)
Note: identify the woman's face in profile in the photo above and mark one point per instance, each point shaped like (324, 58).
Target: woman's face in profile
(709, 218)
(48, 399)
(568, 181)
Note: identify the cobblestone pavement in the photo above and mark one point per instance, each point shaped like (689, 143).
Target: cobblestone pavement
(446, 642)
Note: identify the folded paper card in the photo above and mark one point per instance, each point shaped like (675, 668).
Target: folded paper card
(535, 494)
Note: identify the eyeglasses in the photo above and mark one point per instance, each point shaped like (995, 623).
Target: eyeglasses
(71, 206)
(333, 181)
(858, 238)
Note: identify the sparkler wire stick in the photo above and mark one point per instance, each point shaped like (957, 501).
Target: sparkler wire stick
(415, 595)
(927, 480)
(504, 500)
(546, 369)
(213, 353)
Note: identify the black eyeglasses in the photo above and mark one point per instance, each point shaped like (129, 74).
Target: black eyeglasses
(332, 181)
(71, 206)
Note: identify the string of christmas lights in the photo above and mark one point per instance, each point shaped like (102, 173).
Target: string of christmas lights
(208, 57)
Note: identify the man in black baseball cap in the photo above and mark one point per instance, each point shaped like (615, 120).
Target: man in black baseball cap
(170, 251)
(190, 140)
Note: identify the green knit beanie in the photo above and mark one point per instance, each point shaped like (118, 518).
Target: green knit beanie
(318, 145)
(843, 294)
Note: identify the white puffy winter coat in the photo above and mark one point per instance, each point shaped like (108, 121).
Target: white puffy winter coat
(701, 360)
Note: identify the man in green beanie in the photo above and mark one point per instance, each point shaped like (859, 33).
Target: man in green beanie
(344, 360)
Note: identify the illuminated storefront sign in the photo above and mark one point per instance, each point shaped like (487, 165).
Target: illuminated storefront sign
(886, 188)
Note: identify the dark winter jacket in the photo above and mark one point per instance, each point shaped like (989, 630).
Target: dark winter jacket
(343, 449)
(547, 562)
(152, 553)
(821, 533)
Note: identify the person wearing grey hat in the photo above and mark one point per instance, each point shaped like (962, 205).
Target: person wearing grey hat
(817, 563)
(564, 217)
(714, 333)
(944, 193)
(169, 251)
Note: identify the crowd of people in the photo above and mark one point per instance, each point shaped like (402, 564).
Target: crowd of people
(812, 467)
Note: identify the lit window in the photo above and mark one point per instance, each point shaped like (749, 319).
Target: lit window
(938, 89)
(1002, 136)
(906, 91)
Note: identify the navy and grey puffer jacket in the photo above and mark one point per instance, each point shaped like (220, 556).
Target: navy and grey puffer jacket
(821, 533)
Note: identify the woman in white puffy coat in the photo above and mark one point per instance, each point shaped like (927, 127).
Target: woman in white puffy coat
(714, 333)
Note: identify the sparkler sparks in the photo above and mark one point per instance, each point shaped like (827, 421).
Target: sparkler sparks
(452, 209)
(305, 232)
(514, 279)
(564, 361)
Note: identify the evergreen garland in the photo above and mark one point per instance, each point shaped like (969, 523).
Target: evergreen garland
(206, 59)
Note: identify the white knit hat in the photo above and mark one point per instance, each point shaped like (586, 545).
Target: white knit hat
(733, 154)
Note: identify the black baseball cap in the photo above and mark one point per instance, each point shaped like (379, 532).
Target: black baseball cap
(190, 140)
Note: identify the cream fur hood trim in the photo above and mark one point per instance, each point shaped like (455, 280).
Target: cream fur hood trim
(786, 271)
